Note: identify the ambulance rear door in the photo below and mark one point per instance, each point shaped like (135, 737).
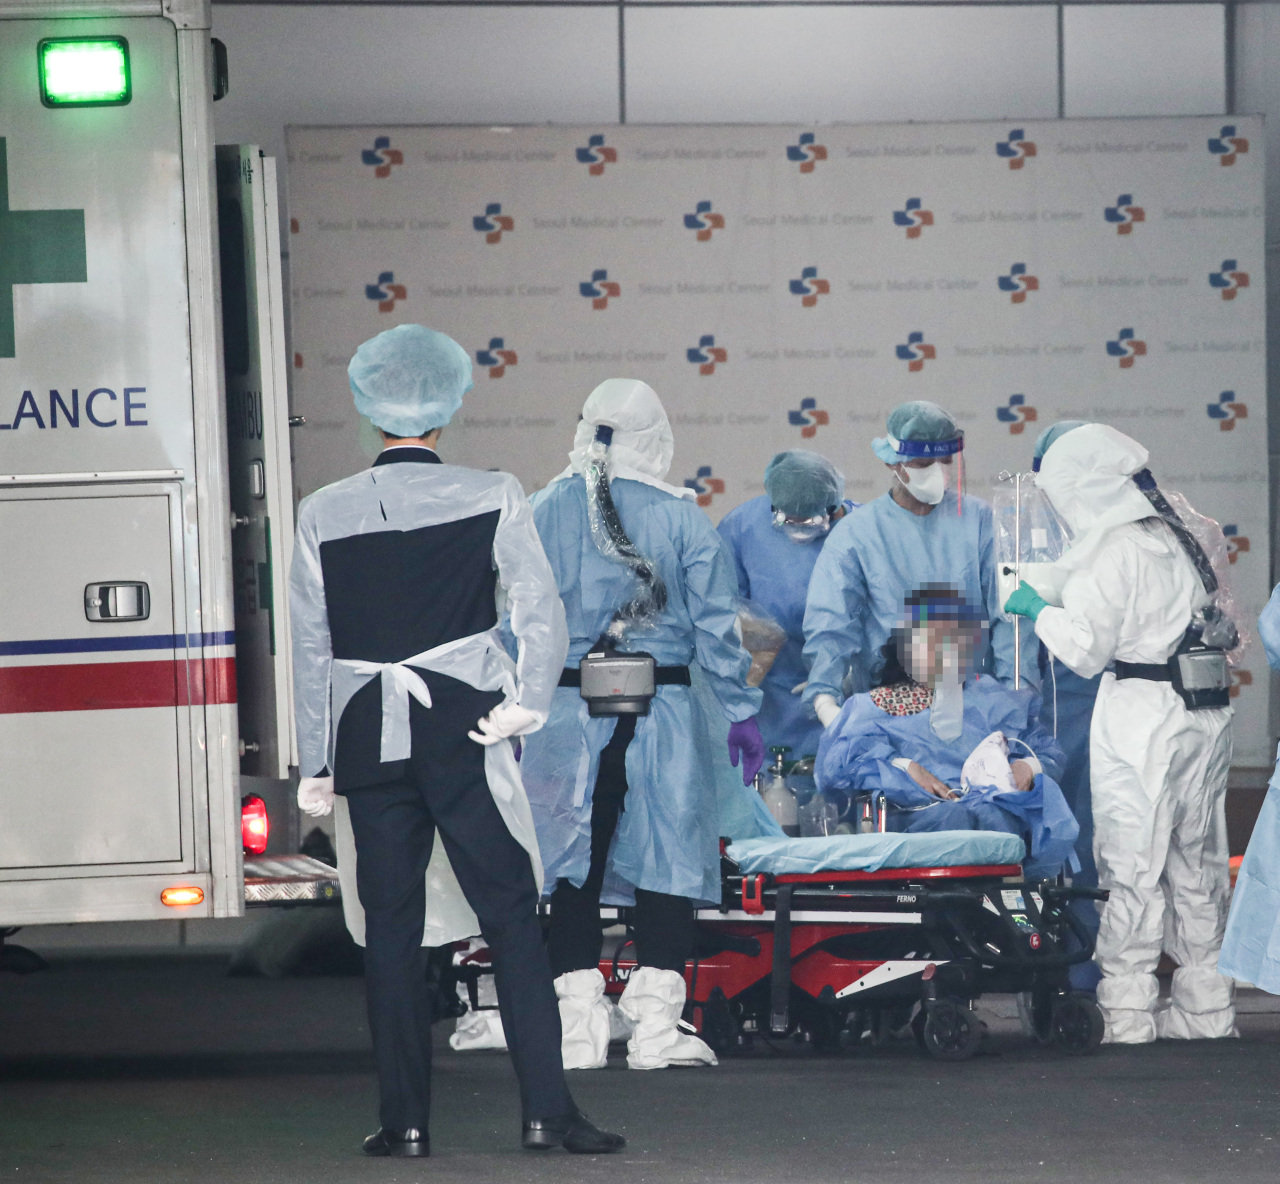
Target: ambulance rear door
(258, 451)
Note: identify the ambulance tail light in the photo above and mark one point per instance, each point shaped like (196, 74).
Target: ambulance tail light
(255, 826)
(177, 898)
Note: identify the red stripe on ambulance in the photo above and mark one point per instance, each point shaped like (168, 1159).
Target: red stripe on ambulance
(115, 686)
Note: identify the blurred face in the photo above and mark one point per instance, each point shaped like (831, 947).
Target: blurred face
(941, 652)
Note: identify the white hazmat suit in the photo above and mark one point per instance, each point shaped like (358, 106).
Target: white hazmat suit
(1159, 770)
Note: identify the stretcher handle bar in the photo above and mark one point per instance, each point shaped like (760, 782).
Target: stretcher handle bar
(780, 986)
(917, 892)
(1072, 892)
(1023, 961)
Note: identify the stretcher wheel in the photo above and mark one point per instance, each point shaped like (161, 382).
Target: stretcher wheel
(952, 1032)
(1077, 1024)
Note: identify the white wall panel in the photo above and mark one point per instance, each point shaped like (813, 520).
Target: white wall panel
(387, 64)
(1144, 59)
(836, 64)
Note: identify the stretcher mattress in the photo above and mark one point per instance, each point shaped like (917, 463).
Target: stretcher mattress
(870, 853)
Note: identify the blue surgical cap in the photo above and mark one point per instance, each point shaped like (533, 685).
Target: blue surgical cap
(1050, 434)
(409, 380)
(918, 429)
(803, 484)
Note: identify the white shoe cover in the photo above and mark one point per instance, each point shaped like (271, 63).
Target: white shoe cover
(1128, 1027)
(480, 1029)
(584, 1019)
(1201, 1006)
(653, 1002)
(620, 1028)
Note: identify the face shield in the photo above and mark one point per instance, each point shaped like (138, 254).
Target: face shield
(802, 530)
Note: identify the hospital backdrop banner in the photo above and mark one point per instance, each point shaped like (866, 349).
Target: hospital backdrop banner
(787, 286)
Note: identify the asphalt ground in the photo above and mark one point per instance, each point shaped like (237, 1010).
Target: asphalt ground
(165, 1069)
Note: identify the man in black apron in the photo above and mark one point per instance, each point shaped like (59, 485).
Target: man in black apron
(406, 707)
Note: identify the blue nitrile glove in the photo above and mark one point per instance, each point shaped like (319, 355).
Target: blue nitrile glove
(1025, 601)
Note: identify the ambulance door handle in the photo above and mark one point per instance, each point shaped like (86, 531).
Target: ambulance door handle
(121, 601)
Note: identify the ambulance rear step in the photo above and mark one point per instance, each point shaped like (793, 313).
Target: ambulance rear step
(289, 879)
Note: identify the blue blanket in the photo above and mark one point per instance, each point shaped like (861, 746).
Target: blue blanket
(870, 853)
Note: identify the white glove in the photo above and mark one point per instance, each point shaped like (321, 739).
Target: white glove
(315, 796)
(827, 709)
(504, 721)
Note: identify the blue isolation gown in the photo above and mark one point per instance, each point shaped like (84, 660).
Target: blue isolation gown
(668, 836)
(858, 748)
(1251, 947)
(773, 574)
(873, 557)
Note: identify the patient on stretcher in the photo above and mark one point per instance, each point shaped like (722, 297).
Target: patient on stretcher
(950, 749)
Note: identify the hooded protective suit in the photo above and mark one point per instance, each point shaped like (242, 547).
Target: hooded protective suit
(1251, 948)
(667, 839)
(626, 807)
(1158, 770)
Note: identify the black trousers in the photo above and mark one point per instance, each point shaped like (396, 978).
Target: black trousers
(444, 788)
(664, 925)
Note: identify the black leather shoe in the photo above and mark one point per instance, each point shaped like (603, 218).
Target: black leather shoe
(574, 1132)
(409, 1144)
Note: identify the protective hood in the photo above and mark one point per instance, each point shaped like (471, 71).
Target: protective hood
(643, 446)
(1087, 475)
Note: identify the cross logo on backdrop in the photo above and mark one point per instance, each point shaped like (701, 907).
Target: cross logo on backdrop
(705, 485)
(1228, 279)
(806, 153)
(1227, 146)
(1126, 347)
(596, 155)
(706, 355)
(1016, 149)
(1124, 214)
(915, 352)
(382, 157)
(809, 287)
(808, 419)
(496, 357)
(386, 292)
(1018, 283)
(1227, 410)
(1017, 414)
(704, 221)
(493, 222)
(600, 289)
(913, 217)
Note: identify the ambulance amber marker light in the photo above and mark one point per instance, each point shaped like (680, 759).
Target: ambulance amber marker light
(177, 897)
(84, 72)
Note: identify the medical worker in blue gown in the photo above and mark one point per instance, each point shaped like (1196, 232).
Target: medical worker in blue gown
(950, 749)
(1251, 947)
(918, 533)
(776, 540)
(1068, 707)
(626, 806)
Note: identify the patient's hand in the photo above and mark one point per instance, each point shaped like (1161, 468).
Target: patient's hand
(929, 783)
(1023, 775)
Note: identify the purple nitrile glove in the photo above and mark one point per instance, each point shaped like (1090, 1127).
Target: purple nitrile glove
(745, 741)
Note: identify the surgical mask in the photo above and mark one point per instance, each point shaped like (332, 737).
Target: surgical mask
(928, 485)
(802, 530)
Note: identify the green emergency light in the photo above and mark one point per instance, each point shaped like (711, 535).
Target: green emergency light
(84, 72)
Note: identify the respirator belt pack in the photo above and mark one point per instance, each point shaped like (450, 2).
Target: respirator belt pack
(613, 682)
(1198, 670)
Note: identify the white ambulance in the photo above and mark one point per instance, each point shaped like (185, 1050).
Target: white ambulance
(146, 512)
